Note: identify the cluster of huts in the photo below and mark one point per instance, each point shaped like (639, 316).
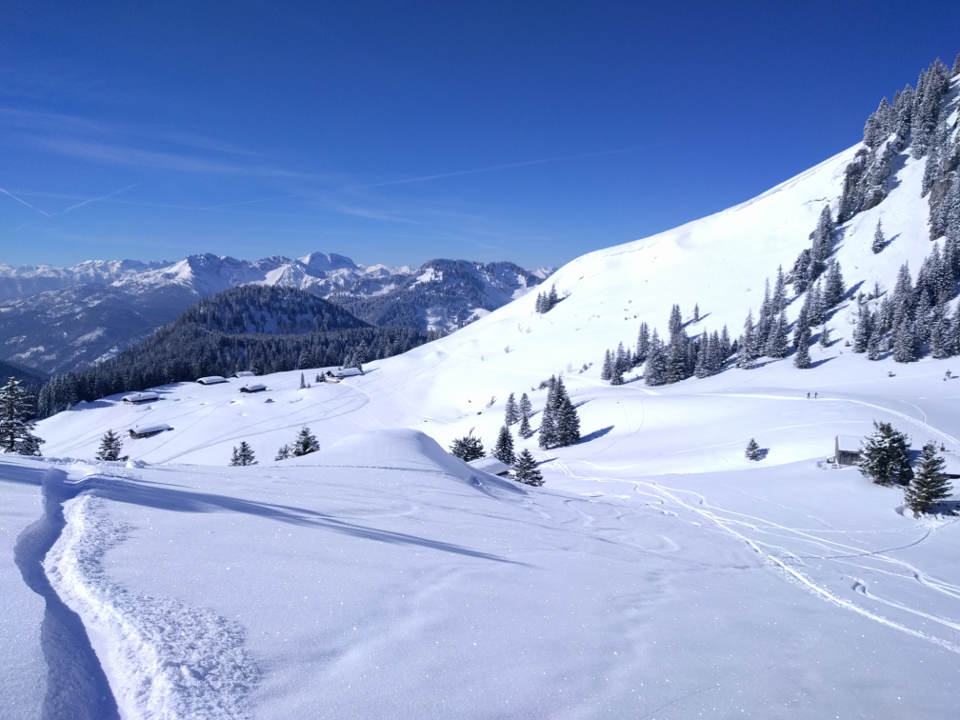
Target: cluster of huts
(148, 396)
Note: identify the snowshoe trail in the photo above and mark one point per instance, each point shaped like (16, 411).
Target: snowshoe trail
(77, 688)
(166, 660)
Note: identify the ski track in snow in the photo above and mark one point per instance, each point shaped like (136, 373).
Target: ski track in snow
(715, 515)
(166, 661)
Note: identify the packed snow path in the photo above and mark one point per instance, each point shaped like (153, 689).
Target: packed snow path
(76, 687)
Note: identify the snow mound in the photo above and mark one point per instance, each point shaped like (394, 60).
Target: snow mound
(406, 450)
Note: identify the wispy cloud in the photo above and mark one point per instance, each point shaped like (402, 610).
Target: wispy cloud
(113, 154)
(504, 166)
(23, 202)
(99, 198)
(146, 146)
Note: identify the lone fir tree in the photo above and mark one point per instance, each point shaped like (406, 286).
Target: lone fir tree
(879, 241)
(243, 455)
(467, 448)
(885, 455)
(503, 450)
(283, 453)
(929, 485)
(305, 444)
(753, 451)
(525, 469)
(110, 446)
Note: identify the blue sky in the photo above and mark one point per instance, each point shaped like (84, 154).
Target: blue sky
(399, 131)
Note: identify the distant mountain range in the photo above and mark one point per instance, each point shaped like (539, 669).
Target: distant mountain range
(57, 319)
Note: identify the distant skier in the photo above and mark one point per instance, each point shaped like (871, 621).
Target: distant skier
(814, 395)
(808, 395)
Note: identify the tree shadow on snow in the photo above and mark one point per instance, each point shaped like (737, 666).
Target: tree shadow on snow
(596, 434)
(824, 361)
(126, 490)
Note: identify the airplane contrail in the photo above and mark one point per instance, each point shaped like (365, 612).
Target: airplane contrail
(99, 198)
(504, 166)
(23, 202)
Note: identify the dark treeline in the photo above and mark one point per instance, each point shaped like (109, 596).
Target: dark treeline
(186, 352)
(268, 309)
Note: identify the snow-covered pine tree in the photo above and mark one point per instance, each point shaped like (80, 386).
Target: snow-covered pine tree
(929, 485)
(525, 469)
(702, 368)
(525, 431)
(655, 369)
(825, 336)
(303, 382)
(753, 451)
(552, 298)
(606, 373)
(822, 237)
(779, 299)
(283, 453)
(745, 352)
(879, 240)
(715, 356)
(801, 359)
(110, 446)
(764, 321)
(243, 455)
(675, 324)
(802, 324)
(885, 455)
(511, 414)
(905, 342)
(16, 423)
(816, 312)
(503, 449)
(525, 405)
(778, 344)
(696, 312)
(863, 329)
(873, 346)
(941, 339)
(305, 443)
(565, 419)
(548, 431)
(467, 448)
(643, 344)
(833, 287)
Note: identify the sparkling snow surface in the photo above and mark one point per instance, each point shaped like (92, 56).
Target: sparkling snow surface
(657, 574)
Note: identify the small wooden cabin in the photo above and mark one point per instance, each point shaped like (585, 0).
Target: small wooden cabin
(212, 380)
(141, 397)
(244, 373)
(844, 457)
(253, 387)
(144, 431)
(346, 372)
